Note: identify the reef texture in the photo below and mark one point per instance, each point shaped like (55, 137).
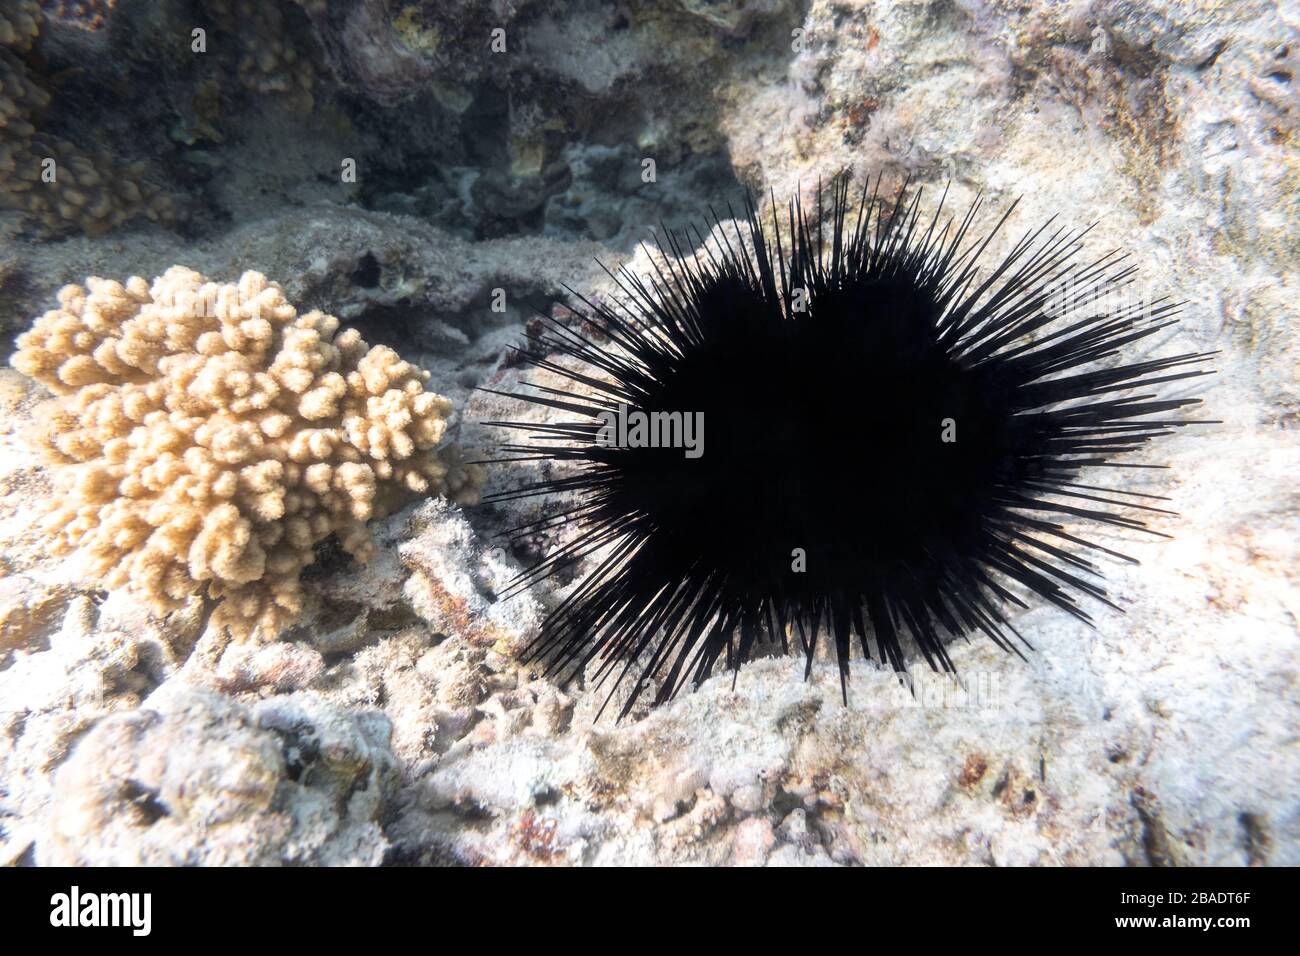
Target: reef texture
(209, 437)
(288, 780)
(391, 722)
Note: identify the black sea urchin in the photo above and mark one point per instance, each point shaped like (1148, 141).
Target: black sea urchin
(870, 439)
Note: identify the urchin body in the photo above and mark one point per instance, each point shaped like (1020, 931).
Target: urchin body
(891, 443)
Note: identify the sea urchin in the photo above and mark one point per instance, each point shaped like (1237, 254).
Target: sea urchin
(841, 429)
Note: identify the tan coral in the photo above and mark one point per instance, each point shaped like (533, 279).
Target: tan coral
(57, 184)
(20, 24)
(207, 437)
(90, 193)
(21, 97)
(270, 62)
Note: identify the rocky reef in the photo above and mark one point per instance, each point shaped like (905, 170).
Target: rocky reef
(433, 175)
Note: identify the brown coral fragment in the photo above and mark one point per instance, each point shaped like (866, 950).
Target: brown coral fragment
(28, 611)
(208, 436)
(87, 14)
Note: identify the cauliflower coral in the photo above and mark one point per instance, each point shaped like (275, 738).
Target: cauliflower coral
(208, 436)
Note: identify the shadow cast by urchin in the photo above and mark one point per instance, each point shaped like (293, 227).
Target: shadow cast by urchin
(891, 444)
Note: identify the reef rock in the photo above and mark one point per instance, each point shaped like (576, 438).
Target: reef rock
(203, 780)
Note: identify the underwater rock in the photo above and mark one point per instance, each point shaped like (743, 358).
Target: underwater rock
(193, 778)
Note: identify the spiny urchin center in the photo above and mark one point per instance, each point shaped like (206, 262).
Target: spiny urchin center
(843, 428)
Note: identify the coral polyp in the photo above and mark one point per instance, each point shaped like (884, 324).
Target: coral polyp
(893, 440)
